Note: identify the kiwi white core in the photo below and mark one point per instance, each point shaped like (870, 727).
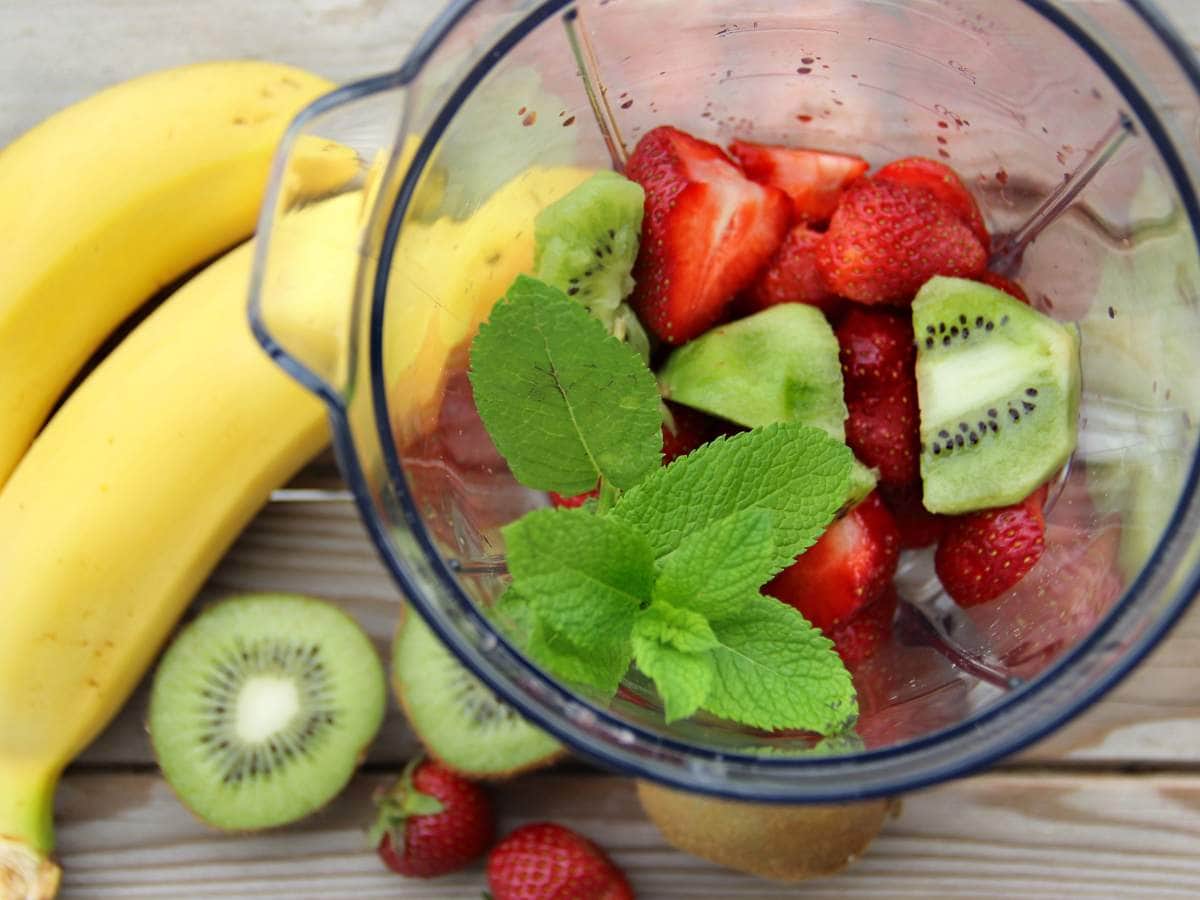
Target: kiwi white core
(266, 706)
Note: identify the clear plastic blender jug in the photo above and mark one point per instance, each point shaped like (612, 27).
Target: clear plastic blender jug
(505, 105)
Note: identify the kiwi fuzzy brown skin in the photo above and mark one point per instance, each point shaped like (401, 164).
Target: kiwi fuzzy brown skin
(775, 842)
(533, 765)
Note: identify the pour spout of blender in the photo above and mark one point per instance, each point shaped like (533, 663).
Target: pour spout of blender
(1008, 249)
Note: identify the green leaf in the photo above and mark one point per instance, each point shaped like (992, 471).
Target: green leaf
(775, 670)
(683, 679)
(797, 473)
(565, 403)
(585, 575)
(553, 651)
(679, 628)
(713, 570)
(417, 804)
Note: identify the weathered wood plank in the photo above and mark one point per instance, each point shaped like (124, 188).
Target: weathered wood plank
(998, 836)
(322, 549)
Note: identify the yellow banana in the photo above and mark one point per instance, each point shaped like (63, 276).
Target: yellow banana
(111, 199)
(126, 501)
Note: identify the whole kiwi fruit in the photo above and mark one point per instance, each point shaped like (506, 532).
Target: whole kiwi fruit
(772, 841)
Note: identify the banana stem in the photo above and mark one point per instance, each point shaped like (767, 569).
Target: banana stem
(27, 807)
(27, 833)
(26, 874)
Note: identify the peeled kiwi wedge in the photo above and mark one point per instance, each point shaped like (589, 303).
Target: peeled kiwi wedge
(458, 719)
(998, 390)
(772, 841)
(262, 708)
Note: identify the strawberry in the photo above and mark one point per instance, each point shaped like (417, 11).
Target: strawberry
(687, 430)
(792, 276)
(943, 182)
(983, 554)
(863, 633)
(707, 231)
(886, 239)
(544, 861)
(877, 351)
(998, 281)
(432, 822)
(882, 430)
(574, 502)
(849, 566)
(812, 178)
(918, 526)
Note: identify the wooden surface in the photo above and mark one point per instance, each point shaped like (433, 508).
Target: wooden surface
(1108, 807)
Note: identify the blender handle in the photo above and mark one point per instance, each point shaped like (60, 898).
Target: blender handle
(313, 225)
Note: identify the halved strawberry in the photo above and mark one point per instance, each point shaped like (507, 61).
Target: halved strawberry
(887, 239)
(1000, 283)
(876, 350)
(792, 276)
(813, 179)
(918, 526)
(860, 636)
(850, 566)
(983, 554)
(882, 430)
(944, 183)
(707, 232)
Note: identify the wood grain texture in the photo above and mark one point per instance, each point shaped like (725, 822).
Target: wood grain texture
(999, 836)
(322, 549)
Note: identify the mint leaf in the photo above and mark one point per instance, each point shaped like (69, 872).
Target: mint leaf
(553, 651)
(713, 570)
(798, 473)
(775, 670)
(565, 403)
(683, 679)
(679, 628)
(585, 575)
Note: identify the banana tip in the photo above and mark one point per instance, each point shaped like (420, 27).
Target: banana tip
(26, 874)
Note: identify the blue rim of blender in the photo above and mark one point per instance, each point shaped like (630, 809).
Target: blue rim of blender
(963, 763)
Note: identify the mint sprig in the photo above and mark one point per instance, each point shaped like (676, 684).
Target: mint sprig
(565, 403)
(664, 571)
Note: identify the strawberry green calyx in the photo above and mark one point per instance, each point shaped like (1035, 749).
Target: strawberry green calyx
(400, 803)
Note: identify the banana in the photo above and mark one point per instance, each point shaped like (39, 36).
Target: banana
(127, 500)
(112, 199)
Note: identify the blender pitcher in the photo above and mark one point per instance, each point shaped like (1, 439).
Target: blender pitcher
(1046, 110)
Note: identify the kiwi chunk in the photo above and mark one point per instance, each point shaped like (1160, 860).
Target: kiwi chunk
(262, 708)
(459, 720)
(586, 242)
(998, 389)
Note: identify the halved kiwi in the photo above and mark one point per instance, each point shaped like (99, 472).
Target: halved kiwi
(998, 388)
(460, 721)
(262, 708)
(585, 244)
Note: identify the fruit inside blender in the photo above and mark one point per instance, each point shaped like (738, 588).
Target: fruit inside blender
(776, 281)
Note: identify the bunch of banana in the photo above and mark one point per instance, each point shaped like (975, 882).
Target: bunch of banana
(112, 199)
(113, 517)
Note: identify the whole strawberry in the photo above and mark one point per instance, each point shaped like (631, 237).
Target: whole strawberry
(792, 276)
(432, 822)
(983, 554)
(544, 861)
(941, 181)
(886, 239)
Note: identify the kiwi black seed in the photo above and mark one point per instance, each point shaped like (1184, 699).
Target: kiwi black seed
(998, 402)
(460, 721)
(262, 708)
(585, 243)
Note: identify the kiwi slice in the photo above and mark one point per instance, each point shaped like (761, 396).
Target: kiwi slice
(779, 365)
(998, 389)
(585, 243)
(263, 707)
(459, 720)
